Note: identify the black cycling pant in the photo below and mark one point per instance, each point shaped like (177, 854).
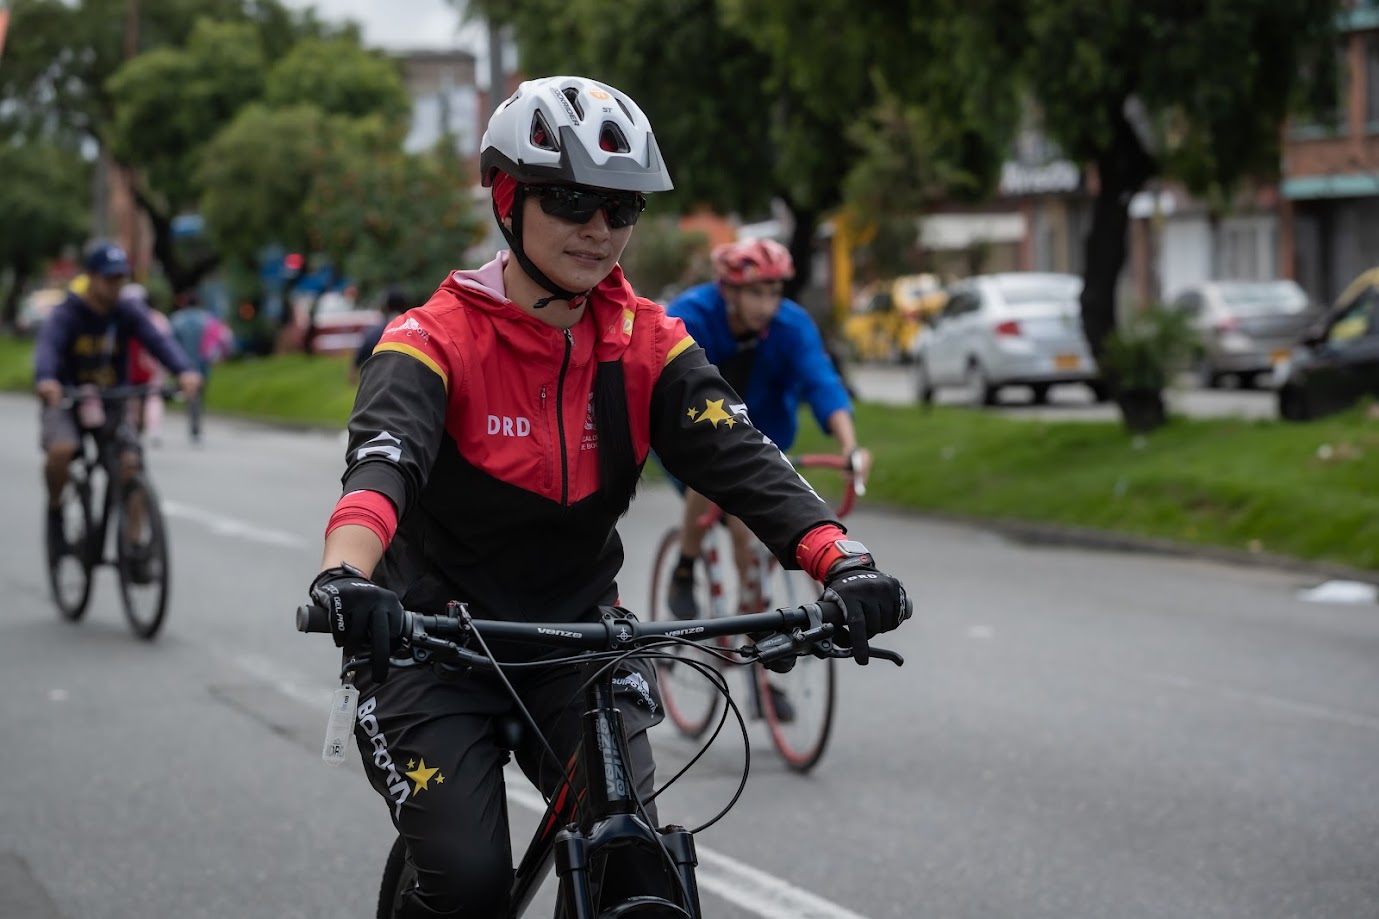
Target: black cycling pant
(430, 748)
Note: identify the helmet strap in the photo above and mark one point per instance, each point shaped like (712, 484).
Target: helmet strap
(574, 298)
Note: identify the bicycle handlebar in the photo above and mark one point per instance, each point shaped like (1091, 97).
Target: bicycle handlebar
(73, 394)
(794, 631)
(854, 484)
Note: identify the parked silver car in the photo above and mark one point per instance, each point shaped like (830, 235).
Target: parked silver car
(1246, 328)
(997, 330)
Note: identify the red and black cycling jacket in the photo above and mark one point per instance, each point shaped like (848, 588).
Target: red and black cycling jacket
(477, 423)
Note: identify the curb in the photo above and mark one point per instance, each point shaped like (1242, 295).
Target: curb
(1063, 536)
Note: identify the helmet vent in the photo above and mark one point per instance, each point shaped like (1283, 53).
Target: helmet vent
(612, 140)
(572, 93)
(625, 110)
(541, 134)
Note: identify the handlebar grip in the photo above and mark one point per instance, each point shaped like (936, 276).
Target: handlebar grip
(312, 618)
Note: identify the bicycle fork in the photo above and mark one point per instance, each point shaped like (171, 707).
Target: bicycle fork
(612, 798)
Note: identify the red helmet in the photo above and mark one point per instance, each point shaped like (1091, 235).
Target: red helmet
(750, 260)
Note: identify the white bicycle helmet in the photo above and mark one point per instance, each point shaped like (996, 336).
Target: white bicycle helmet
(573, 130)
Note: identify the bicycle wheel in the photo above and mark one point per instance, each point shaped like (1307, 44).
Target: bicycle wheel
(142, 557)
(690, 698)
(798, 705)
(69, 571)
(399, 876)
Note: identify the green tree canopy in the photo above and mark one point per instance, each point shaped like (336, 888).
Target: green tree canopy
(340, 78)
(394, 218)
(43, 198)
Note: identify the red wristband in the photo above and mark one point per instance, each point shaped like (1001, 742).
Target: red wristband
(368, 509)
(818, 550)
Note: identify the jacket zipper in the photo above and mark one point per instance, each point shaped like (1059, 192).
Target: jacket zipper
(546, 420)
(560, 419)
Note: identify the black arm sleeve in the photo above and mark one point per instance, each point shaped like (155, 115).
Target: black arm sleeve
(396, 428)
(701, 432)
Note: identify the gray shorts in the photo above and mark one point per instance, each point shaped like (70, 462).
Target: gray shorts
(57, 426)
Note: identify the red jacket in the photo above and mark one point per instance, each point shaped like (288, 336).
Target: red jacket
(476, 420)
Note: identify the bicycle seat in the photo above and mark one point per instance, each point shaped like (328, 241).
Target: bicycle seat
(510, 730)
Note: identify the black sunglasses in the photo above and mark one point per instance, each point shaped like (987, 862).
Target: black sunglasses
(579, 205)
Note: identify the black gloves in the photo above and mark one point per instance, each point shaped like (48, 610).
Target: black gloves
(361, 613)
(875, 602)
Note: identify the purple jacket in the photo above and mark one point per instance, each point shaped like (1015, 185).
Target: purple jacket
(77, 345)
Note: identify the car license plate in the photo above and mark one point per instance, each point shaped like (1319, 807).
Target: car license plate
(1279, 356)
(1067, 361)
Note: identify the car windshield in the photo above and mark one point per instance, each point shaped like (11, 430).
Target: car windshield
(1038, 294)
(1270, 298)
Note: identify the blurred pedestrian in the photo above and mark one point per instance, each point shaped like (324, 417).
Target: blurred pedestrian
(207, 341)
(395, 303)
(146, 414)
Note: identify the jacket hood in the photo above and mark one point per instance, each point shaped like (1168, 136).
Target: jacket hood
(611, 306)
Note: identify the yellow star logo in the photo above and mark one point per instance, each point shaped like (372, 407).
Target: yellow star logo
(692, 413)
(422, 775)
(411, 764)
(713, 413)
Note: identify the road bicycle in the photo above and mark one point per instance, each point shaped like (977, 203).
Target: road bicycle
(797, 706)
(90, 503)
(612, 815)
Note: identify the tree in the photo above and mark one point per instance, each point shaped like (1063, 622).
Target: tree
(1145, 88)
(168, 103)
(258, 174)
(43, 199)
(340, 78)
(394, 217)
(56, 80)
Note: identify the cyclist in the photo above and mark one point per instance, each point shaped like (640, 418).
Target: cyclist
(497, 437)
(394, 304)
(87, 340)
(769, 351)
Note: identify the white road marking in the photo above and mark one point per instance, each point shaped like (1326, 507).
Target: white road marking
(229, 526)
(1264, 700)
(1341, 592)
(760, 893)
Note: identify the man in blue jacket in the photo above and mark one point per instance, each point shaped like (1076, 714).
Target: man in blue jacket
(85, 341)
(769, 351)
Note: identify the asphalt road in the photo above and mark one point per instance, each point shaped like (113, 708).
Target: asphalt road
(1074, 734)
(895, 385)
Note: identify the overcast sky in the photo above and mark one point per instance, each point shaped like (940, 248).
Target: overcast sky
(402, 24)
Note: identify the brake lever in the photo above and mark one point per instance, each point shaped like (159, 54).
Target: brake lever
(885, 655)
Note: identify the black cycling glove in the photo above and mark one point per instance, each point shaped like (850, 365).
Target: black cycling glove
(361, 614)
(875, 602)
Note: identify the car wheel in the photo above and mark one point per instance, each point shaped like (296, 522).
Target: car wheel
(1101, 393)
(924, 387)
(1041, 394)
(981, 388)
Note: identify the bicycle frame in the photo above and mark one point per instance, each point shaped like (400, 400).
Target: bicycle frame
(92, 454)
(612, 819)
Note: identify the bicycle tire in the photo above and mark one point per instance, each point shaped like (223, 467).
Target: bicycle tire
(75, 500)
(399, 876)
(690, 699)
(809, 686)
(155, 549)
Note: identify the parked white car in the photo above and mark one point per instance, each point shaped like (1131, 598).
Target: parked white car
(1019, 328)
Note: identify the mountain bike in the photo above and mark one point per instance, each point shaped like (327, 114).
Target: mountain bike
(797, 706)
(93, 498)
(613, 815)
